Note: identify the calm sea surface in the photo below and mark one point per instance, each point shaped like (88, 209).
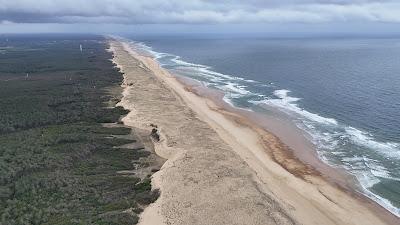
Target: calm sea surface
(344, 93)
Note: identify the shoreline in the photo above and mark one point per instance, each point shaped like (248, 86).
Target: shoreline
(303, 163)
(288, 134)
(300, 199)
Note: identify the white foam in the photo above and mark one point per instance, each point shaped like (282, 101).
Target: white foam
(368, 172)
(236, 88)
(321, 139)
(368, 176)
(288, 104)
(383, 202)
(178, 60)
(369, 181)
(377, 170)
(283, 95)
(366, 140)
(337, 153)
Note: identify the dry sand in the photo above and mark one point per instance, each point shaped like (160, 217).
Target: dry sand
(220, 168)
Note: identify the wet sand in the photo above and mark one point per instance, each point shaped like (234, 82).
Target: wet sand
(221, 168)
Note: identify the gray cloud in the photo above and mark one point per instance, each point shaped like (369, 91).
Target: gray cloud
(198, 11)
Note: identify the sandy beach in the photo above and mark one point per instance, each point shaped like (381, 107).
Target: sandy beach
(221, 168)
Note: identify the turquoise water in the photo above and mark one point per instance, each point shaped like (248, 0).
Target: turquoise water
(344, 93)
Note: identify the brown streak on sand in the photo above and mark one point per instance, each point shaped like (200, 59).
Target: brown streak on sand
(220, 169)
(280, 153)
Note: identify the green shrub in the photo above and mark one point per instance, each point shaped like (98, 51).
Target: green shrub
(58, 164)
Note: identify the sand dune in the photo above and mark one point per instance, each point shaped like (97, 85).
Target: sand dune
(220, 168)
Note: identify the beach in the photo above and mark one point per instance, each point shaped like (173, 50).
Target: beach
(222, 168)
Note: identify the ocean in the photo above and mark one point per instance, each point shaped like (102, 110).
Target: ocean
(343, 93)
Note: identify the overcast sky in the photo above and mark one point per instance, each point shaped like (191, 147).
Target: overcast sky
(264, 14)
